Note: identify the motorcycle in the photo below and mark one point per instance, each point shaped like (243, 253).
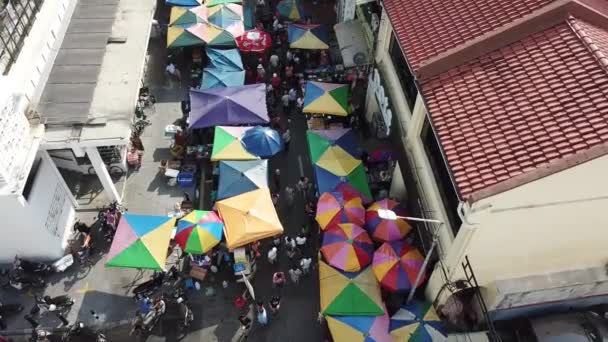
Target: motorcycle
(148, 287)
(8, 310)
(32, 266)
(59, 303)
(20, 281)
(186, 315)
(80, 330)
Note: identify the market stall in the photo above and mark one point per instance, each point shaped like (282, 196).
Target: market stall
(237, 177)
(227, 144)
(291, 10)
(308, 36)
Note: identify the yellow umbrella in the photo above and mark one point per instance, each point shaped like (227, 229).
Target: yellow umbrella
(249, 217)
(338, 161)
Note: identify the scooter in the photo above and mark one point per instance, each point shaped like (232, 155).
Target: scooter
(19, 281)
(185, 312)
(80, 330)
(148, 287)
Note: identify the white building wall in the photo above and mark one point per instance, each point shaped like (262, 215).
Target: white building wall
(37, 227)
(22, 84)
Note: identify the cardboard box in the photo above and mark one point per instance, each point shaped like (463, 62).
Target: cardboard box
(198, 273)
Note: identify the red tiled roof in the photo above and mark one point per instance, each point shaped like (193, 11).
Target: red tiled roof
(523, 106)
(426, 28)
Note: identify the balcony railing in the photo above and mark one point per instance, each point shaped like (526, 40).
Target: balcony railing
(16, 20)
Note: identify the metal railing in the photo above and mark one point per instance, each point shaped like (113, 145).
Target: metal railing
(16, 19)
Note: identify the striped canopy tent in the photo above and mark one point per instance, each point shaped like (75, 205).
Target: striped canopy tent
(227, 16)
(187, 16)
(327, 98)
(213, 3)
(290, 9)
(227, 144)
(308, 37)
(199, 34)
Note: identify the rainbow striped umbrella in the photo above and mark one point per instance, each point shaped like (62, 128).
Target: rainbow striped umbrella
(334, 208)
(383, 229)
(199, 231)
(360, 328)
(347, 247)
(417, 322)
(396, 265)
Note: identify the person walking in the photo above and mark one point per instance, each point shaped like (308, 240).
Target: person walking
(292, 96)
(285, 101)
(301, 242)
(272, 255)
(289, 196)
(278, 280)
(286, 139)
(274, 304)
(262, 314)
(276, 179)
(245, 325)
(295, 274)
(305, 264)
(301, 186)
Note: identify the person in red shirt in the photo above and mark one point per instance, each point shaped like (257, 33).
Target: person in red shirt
(275, 81)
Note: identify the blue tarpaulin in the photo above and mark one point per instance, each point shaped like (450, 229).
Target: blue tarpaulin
(183, 3)
(216, 77)
(225, 59)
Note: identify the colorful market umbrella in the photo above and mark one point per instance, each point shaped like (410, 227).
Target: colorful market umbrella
(141, 241)
(290, 9)
(237, 177)
(383, 229)
(249, 217)
(183, 3)
(328, 181)
(216, 78)
(254, 41)
(350, 191)
(310, 37)
(347, 247)
(334, 208)
(237, 105)
(417, 322)
(199, 231)
(263, 142)
(184, 16)
(321, 140)
(226, 59)
(227, 16)
(178, 37)
(360, 328)
(213, 35)
(227, 144)
(326, 98)
(396, 265)
(212, 3)
(349, 294)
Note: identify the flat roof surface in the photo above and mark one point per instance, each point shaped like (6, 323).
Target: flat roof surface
(71, 84)
(112, 103)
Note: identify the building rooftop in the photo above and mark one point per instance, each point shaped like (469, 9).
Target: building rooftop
(427, 28)
(518, 100)
(106, 112)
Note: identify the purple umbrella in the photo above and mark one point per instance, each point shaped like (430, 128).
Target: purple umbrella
(228, 106)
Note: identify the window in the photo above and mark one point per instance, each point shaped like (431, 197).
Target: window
(16, 19)
(403, 71)
(442, 175)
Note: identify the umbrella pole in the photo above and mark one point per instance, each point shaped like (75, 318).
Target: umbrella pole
(427, 258)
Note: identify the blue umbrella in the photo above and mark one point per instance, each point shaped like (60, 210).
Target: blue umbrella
(183, 3)
(229, 59)
(238, 177)
(216, 77)
(262, 141)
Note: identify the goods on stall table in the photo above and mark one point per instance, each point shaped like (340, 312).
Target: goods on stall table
(198, 273)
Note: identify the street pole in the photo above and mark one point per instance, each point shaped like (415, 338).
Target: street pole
(388, 214)
(424, 264)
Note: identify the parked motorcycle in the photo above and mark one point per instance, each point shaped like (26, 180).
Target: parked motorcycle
(149, 287)
(82, 331)
(185, 313)
(32, 266)
(20, 281)
(8, 310)
(59, 303)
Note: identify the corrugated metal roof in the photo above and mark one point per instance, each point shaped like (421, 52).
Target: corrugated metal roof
(69, 90)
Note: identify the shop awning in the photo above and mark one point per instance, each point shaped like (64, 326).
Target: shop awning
(353, 46)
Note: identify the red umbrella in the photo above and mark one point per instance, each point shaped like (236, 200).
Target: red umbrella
(254, 41)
